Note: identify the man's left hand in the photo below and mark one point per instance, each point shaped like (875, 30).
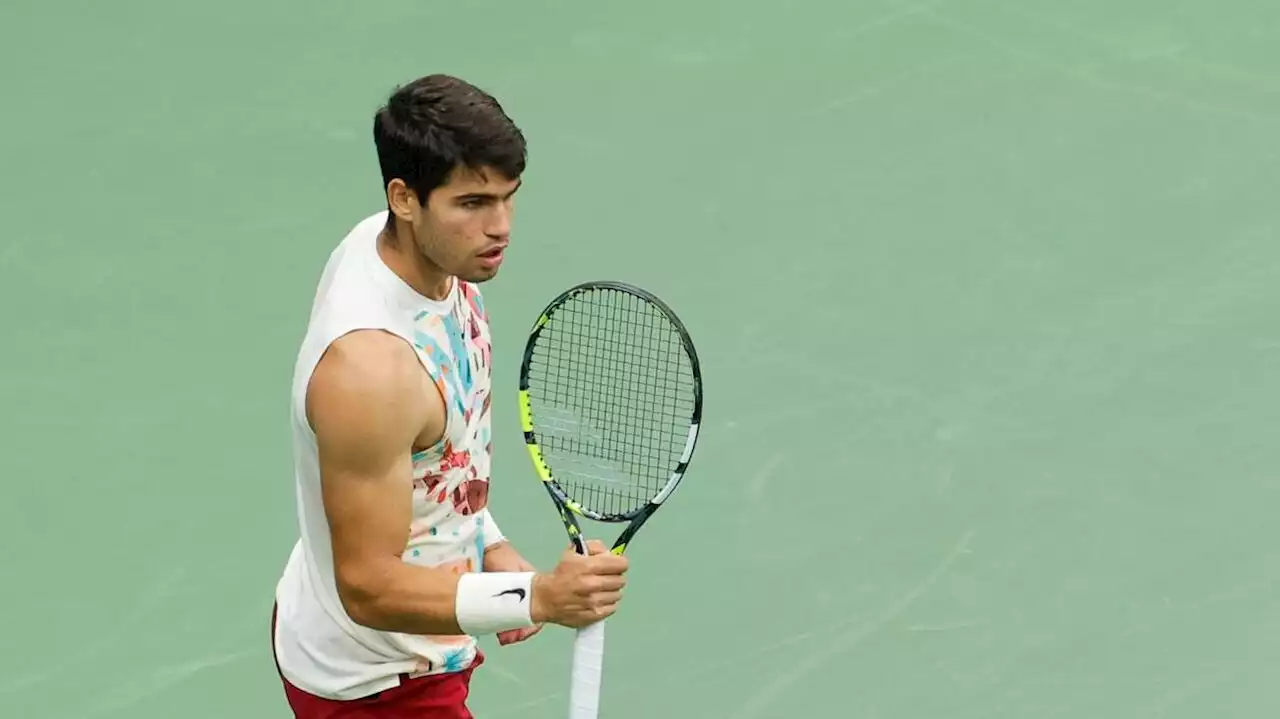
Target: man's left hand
(517, 635)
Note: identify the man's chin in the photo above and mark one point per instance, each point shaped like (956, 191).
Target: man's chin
(476, 277)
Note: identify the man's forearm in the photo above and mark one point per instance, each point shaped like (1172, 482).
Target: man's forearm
(394, 596)
(401, 597)
(502, 557)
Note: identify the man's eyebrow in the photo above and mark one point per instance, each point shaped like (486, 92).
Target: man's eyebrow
(489, 195)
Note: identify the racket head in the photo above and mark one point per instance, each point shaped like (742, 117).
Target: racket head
(610, 400)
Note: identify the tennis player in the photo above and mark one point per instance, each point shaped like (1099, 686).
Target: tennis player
(401, 565)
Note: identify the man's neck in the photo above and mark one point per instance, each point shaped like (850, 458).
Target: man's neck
(401, 256)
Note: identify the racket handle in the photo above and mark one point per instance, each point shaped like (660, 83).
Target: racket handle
(588, 663)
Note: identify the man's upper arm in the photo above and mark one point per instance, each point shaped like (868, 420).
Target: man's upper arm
(366, 405)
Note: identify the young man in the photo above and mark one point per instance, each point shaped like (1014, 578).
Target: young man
(400, 564)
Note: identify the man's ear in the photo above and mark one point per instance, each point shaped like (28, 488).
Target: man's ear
(402, 201)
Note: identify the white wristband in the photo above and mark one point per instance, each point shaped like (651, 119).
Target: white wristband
(492, 602)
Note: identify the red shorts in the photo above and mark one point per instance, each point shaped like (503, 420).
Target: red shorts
(431, 697)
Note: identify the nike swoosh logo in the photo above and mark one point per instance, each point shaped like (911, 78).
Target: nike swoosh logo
(518, 592)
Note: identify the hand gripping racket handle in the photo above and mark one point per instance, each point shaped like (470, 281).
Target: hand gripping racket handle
(588, 662)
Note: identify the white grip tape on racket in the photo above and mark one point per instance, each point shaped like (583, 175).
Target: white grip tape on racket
(588, 663)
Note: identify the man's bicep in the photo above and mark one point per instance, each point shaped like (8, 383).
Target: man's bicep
(364, 413)
(368, 503)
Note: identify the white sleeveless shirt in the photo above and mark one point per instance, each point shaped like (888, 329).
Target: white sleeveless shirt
(318, 647)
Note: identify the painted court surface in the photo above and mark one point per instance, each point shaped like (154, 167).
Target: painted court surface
(986, 295)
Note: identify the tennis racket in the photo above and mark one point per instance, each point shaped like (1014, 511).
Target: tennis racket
(610, 405)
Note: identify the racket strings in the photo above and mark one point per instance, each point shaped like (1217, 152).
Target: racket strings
(611, 390)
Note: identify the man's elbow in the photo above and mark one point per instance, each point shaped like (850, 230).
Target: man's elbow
(361, 590)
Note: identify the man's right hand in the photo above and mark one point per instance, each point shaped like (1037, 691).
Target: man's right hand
(582, 590)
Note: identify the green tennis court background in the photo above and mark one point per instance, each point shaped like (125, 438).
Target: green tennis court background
(986, 295)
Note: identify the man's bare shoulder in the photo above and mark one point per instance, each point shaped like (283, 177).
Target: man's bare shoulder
(371, 379)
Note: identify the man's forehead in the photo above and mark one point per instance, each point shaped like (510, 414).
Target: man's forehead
(466, 180)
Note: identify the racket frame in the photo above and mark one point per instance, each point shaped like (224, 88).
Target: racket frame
(568, 508)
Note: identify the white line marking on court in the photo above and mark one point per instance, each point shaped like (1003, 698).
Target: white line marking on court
(495, 669)
(523, 707)
(132, 693)
(758, 700)
(941, 627)
(759, 481)
(153, 598)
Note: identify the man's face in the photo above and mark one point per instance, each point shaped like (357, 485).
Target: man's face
(465, 226)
